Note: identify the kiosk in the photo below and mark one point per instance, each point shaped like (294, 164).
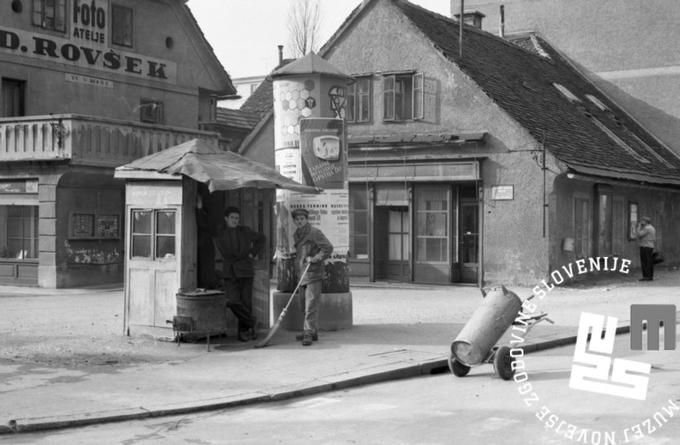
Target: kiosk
(162, 264)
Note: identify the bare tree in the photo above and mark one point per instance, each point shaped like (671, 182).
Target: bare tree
(303, 26)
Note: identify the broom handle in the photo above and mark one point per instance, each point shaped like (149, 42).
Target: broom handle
(283, 312)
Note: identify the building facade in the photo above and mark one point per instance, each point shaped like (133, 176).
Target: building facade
(86, 87)
(494, 161)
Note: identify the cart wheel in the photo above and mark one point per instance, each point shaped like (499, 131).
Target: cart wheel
(457, 368)
(502, 363)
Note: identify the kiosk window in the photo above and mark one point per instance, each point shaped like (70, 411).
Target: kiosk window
(153, 231)
(165, 234)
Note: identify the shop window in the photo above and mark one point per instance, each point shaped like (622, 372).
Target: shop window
(359, 100)
(121, 25)
(151, 111)
(432, 224)
(403, 97)
(20, 237)
(153, 231)
(50, 14)
(12, 97)
(358, 222)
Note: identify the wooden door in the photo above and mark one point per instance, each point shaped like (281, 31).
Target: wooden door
(153, 251)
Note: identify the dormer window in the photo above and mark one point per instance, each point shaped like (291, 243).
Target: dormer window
(620, 142)
(597, 102)
(571, 97)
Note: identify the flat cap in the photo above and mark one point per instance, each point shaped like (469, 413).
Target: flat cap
(297, 212)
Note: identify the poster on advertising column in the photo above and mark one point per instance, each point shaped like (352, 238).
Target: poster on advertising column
(322, 149)
(329, 212)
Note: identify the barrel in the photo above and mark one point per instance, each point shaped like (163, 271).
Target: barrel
(207, 308)
(486, 326)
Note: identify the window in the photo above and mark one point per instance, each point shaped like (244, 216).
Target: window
(151, 111)
(398, 234)
(571, 97)
(153, 231)
(358, 222)
(19, 240)
(121, 25)
(50, 14)
(403, 97)
(359, 100)
(12, 97)
(432, 224)
(620, 142)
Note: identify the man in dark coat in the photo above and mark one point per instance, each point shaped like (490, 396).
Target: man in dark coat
(238, 246)
(312, 247)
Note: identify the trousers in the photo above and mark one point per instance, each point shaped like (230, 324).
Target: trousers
(647, 262)
(311, 306)
(239, 293)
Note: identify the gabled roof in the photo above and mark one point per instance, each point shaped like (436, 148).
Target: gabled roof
(237, 118)
(228, 88)
(577, 132)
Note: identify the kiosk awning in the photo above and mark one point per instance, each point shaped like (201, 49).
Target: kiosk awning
(220, 170)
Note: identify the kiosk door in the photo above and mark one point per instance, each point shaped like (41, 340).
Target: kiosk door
(154, 254)
(153, 278)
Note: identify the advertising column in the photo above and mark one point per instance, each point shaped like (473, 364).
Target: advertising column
(311, 148)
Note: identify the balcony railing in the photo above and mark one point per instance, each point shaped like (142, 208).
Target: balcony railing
(87, 140)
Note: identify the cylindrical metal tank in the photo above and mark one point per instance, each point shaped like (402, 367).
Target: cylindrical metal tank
(206, 308)
(486, 326)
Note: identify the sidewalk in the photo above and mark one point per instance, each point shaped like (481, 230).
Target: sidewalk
(64, 361)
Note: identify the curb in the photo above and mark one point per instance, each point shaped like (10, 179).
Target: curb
(325, 384)
(394, 371)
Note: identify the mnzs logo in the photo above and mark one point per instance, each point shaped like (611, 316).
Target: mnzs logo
(656, 315)
(592, 362)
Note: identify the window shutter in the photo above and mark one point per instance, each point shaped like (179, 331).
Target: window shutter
(364, 100)
(388, 97)
(350, 108)
(418, 96)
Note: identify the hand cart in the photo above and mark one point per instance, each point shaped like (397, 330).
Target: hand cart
(474, 344)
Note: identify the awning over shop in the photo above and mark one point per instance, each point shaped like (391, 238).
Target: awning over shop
(220, 170)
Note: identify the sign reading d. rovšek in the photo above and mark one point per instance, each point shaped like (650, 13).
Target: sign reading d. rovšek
(86, 53)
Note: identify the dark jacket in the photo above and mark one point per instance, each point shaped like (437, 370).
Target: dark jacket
(311, 242)
(237, 247)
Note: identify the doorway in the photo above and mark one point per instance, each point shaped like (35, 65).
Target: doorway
(469, 241)
(392, 243)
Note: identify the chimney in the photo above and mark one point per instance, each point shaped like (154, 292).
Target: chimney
(501, 25)
(472, 18)
(280, 54)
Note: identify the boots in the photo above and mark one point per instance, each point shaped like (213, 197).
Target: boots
(300, 336)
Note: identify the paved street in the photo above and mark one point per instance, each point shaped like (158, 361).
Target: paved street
(442, 409)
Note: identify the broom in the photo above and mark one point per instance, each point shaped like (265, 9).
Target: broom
(275, 328)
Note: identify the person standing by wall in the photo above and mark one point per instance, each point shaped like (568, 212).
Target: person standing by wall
(646, 235)
(238, 246)
(312, 247)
